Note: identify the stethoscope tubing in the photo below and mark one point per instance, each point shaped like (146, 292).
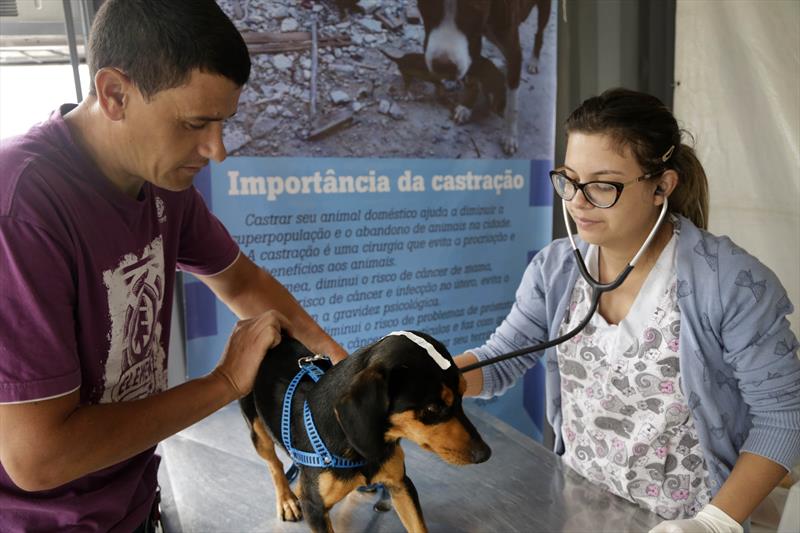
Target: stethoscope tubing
(597, 290)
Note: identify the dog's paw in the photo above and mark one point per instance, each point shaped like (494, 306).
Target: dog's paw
(533, 65)
(462, 114)
(510, 144)
(288, 507)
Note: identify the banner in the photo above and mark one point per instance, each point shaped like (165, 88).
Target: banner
(355, 187)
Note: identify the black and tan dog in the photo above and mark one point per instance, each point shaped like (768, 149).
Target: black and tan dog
(402, 386)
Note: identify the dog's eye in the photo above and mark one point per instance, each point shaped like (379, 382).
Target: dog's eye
(431, 409)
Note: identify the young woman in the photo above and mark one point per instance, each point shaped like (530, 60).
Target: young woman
(682, 394)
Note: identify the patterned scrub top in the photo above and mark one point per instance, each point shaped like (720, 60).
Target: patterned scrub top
(627, 426)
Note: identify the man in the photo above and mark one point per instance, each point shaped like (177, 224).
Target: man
(97, 209)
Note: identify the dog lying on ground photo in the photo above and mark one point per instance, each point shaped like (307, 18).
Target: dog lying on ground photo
(412, 67)
(343, 431)
(454, 31)
(485, 79)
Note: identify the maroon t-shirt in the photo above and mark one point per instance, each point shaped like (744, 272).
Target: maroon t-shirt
(86, 284)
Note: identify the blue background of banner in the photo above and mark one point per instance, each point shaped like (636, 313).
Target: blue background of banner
(462, 317)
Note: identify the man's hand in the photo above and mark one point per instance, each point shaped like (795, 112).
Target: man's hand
(709, 520)
(332, 349)
(246, 347)
(248, 290)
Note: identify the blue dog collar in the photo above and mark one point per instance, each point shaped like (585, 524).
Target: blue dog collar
(321, 457)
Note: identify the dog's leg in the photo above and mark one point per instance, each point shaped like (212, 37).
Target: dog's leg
(463, 110)
(404, 494)
(285, 500)
(510, 142)
(316, 515)
(406, 501)
(542, 17)
(513, 54)
(322, 493)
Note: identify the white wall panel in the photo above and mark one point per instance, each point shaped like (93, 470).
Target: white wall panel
(737, 70)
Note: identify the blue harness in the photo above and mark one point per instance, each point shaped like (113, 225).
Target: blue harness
(321, 457)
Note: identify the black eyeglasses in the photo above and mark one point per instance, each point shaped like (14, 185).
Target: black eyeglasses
(602, 194)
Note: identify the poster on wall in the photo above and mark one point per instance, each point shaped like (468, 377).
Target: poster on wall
(382, 193)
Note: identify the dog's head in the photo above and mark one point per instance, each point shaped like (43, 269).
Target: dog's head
(408, 387)
(453, 33)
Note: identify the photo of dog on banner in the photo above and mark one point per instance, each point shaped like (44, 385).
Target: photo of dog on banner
(402, 78)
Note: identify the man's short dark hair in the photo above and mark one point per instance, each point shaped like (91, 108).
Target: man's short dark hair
(158, 43)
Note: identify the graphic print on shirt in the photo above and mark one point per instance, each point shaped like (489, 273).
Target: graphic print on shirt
(161, 212)
(136, 365)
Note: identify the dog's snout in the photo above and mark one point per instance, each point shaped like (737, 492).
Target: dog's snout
(480, 452)
(445, 67)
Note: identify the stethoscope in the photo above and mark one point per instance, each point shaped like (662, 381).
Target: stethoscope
(597, 290)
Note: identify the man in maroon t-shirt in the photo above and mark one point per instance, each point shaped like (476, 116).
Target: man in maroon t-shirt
(97, 210)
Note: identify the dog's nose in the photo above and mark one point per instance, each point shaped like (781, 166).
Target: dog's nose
(480, 452)
(444, 67)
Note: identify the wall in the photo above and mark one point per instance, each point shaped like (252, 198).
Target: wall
(613, 43)
(737, 69)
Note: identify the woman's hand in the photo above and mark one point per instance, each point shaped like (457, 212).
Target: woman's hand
(473, 378)
(709, 520)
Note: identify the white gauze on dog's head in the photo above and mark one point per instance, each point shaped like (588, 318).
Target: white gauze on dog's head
(440, 360)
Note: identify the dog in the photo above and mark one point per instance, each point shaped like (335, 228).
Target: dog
(486, 79)
(412, 67)
(454, 31)
(404, 385)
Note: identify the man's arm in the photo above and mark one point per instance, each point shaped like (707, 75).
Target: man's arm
(44, 444)
(249, 290)
(48, 443)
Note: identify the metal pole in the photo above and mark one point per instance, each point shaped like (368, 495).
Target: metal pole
(314, 67)
(73, 48)
(87, 15)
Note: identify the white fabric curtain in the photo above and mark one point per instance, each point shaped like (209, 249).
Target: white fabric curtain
(737, 72)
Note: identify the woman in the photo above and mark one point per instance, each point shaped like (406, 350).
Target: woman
(683, 392)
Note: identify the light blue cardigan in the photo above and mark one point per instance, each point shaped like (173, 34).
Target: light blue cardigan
(738, 358)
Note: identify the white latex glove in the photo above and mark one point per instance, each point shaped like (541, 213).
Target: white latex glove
(709, 520)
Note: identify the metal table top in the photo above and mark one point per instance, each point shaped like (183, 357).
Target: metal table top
(213, 480)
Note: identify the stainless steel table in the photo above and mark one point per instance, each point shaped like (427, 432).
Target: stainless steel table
(213, 481)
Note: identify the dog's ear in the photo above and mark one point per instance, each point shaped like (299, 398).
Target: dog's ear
(362, 410)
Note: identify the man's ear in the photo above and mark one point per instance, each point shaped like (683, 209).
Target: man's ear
(666, 184)
(362, 412)
(113, 88)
